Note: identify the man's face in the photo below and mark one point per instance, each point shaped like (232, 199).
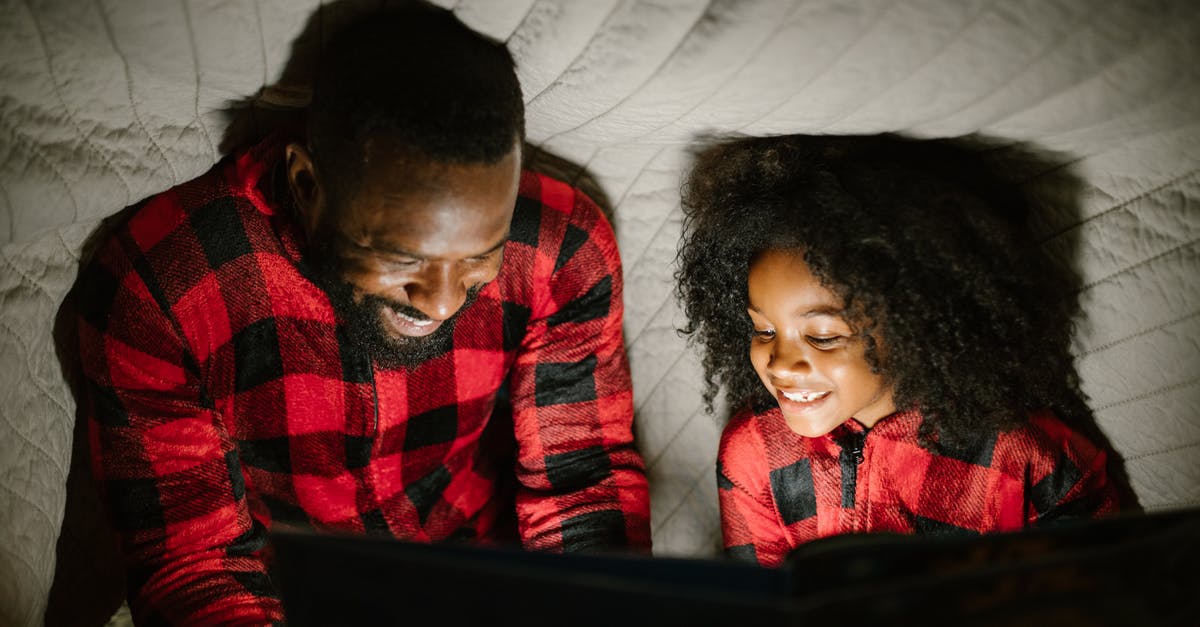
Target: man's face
(412, 246)
(805, 352)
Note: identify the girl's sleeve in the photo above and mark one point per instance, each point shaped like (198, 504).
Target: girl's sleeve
(1067, 475)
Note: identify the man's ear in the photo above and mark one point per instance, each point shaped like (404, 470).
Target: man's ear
(307, 190)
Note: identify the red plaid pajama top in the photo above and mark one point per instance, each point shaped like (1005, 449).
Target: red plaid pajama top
(779, 489)
(223, 396)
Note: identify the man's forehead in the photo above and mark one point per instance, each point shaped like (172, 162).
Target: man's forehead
(401, 172)
(406, 201)
(388, 151)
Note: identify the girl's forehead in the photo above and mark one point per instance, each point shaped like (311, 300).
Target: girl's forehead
(780, 281)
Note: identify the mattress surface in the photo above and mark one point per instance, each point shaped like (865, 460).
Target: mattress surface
(104, 103)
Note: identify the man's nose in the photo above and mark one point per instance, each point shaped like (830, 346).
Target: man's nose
(438, 292)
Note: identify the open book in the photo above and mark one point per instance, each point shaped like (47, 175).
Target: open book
(1130, 570)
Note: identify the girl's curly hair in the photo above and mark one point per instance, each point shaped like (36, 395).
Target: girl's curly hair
(960, 310)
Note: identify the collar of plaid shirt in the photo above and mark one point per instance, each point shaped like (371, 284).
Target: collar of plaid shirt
(779, 489)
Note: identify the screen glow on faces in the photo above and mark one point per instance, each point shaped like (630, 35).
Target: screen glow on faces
(415, 246)
(807, 355)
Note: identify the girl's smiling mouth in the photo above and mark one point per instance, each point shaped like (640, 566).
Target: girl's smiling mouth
(802, 396)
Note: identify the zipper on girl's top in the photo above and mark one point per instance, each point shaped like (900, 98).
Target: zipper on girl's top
(852, 445)
(856, 441)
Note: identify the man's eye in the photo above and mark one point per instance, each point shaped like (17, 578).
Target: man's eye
(824, 342)
(402, 263)
(482, 258)
(764, 335)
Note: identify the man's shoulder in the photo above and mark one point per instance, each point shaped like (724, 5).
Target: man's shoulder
(560, 247)
(207, 231)
(209, 208)
(547, 192)
(551, 214)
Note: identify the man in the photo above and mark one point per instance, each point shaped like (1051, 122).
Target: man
(318, 332)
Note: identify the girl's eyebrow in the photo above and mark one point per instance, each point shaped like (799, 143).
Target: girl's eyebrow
(824, 310)
(821, 310)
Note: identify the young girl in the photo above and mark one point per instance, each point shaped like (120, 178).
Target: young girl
(893, 344)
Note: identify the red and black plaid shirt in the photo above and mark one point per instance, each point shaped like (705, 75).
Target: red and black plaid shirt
(223, 396)
(779, 489)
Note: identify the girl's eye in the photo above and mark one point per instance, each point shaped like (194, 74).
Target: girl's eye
(763, 335)
(825, 342)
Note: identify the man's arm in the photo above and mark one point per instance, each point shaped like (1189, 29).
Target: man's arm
(582, 483)
(166, 466)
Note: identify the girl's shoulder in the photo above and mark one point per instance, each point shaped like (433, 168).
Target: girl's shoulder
(1044, 442)
(753, 444)
(743, 455)
(741, 434)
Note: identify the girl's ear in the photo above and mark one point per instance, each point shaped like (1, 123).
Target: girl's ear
(306, 187)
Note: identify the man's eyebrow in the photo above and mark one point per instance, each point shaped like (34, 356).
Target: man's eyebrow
(500, 244)
(400, 252)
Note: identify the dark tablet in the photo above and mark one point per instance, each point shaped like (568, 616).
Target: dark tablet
(331, 580)
(1127, 570)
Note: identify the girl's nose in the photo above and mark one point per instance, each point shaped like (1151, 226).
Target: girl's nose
(788, 360)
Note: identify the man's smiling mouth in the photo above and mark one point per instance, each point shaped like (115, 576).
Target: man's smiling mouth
(407, 325)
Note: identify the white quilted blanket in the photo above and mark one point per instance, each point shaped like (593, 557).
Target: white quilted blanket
(105, 102)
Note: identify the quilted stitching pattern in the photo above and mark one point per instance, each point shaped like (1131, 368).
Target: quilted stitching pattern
(104, 103)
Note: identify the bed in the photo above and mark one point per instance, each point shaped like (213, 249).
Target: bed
(103, 103)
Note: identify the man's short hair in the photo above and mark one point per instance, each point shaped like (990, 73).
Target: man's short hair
(418, 77)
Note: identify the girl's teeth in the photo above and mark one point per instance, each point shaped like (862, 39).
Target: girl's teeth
(802, 397)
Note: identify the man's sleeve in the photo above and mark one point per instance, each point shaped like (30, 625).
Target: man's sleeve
(581, 481)
(750, 525)
(168, 470)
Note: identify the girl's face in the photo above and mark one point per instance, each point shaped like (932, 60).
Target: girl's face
(806, 353)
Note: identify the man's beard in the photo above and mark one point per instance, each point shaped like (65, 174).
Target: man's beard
(363, 320)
